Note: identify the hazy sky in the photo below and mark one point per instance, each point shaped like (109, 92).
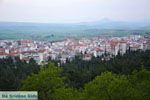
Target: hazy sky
(73, 10)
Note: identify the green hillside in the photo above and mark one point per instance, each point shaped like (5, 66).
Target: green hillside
(52, 32)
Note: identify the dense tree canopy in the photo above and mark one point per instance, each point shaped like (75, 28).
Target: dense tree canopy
(108, 86)
(79, 72)
(13, 70)
(124, 77)
(49, 84)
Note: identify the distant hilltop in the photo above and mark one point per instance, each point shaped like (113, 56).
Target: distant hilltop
(103, 23)
(60, 31)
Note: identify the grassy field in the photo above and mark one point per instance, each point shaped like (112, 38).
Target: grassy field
(54, 32)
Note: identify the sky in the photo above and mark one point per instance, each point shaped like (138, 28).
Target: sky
(73, 11)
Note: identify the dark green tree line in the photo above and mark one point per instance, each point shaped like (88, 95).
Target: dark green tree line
(108, 86)
(13, 70)
(79, 72)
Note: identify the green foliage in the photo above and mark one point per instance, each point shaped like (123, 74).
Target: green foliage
(121, 78)
(78, 72)
(46, 82)
(141, 83)
(110, 86)
(67, 94)
(13, 70)
(50, 85)
(107, 86)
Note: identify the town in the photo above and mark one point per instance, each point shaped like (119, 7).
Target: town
(41, 51)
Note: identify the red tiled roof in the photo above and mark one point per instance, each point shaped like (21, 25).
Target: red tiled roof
(2, 49)
(99, 49)
(135, 46)
(29, 52)
(26, 59)
(3, 54)
(41, 51)
(25, 41)
(14, 54)
(123, 41)
(147, 43)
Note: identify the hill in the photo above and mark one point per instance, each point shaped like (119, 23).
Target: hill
(59, 31)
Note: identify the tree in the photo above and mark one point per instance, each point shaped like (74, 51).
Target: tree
(110, 86)
(13, 70)
(79, 72)
(46, 82)
(141, 83)
(67, 94)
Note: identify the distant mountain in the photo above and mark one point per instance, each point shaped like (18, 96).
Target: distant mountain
(102, 24)
(110, 24)
(17, 30)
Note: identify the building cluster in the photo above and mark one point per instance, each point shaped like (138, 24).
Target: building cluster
(41, 51)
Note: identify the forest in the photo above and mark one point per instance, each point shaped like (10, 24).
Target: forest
(123, 77)
(13, 71)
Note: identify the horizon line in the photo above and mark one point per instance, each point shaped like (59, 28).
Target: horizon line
(82, 22)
